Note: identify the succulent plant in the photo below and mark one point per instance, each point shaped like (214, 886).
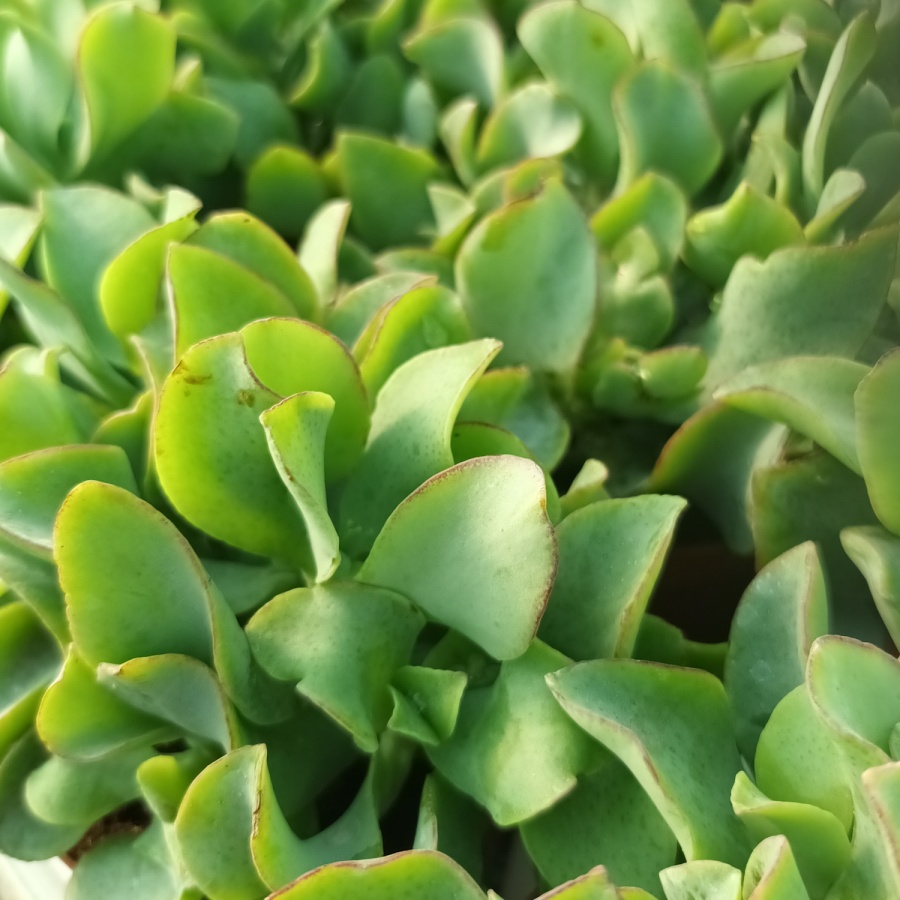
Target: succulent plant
(329, 528)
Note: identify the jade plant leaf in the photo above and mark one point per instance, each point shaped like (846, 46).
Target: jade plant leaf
(341, 644)
(607, 817)
(772, 873)
(473, 549)
(582, 53)
(403, 876)
(877, 424)
(812, 395)
(426, 702)
(601, 591)
(702, 879)
(320, 246)
(794, 731)
(767, 306)
(409, 440)
(841, 673)
(275, 349)
(366, 164)
(296, 430)
(207, 426)
(462, 55)
(527, 274)
(514, 750)
(649, 716)
(818, 840)
(782, 612)
(531, 123)
(120, 39)
(876, 553)
(247, 848)
(174, 606)
(665, 124)
(593, 885)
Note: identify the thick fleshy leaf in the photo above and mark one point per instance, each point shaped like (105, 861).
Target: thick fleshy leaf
(366, 164)
(818, 840)
(292, 357)
(607, 818)
(772, 873)
(812, 395)
(749, 223)
(409, 440)
(80, 719)
(782, 612)
(256, 247)
(531, 123)
(85, 228)
(582, 53)
(702, 879)
(121, 39)
(474, 549)
(341, 644)
(18, 229)
(319, 248)
(876, 554)
(514, 750)
(404, 876)
(794, 731)
(527, 275)
(842, 675)
(601, 590)
(176, 689)
(841, 191)
(768, 307)
(665, 124)
(851, 55)
(296, 430)
(235, 841)
(877, 428)
(426, 702)
(462, 55)
(594, 885)
(458, 129)
(109, 542)
(212, 458)
(672, 728)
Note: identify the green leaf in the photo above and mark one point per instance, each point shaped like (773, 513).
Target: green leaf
(374, 99)
(85, 228)
(366, 164)
(594, 885)
(18, 230)
(670, 31)
(513, 749)
(296, 431)
(768, 308)
(672, 728)
(794, 731)
(285, 187)
(250, 243)
(782, 612)
(461, 55)
(702, 879)
(852, 54)
(876, 553)
(409, 440)
(748, 224)
(117, 39)
(841, 191)
(582, 54)
(818, 840)
(652, 202)
(842, 675)
(235, 841)
(772, 873)
(426, 702)
(531, 123)
(326, 74)
(211, 453)
(877, 428)
(109, 542)
(665, 124)
(606, 817)
(812, 395)
(458, 129)
(473, 548)
(403, 876)
(341, 644)
(21, 177)
(527, 274)
(320, 246)
(601, 593)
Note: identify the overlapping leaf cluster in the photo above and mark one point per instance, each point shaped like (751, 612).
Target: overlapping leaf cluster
(280, 532)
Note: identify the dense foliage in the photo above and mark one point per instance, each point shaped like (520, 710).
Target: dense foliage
(351, 503)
